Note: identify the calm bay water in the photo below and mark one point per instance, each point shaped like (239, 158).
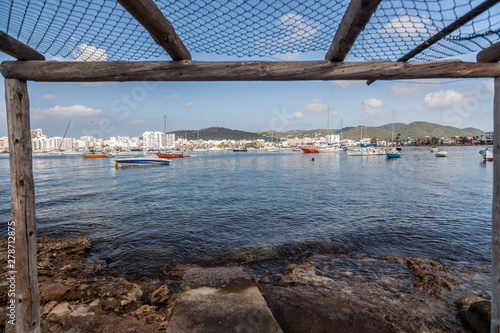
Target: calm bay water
(218, 207)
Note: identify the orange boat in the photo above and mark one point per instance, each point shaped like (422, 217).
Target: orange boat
(162, 155)
(94, 155)
(310, 150)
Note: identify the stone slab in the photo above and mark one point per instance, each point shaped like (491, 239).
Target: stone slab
(218, 300)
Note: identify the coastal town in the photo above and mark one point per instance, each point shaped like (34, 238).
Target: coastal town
(150, 140)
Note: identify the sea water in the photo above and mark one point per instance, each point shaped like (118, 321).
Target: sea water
(224, 206)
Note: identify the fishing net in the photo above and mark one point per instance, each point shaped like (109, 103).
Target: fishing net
(103, 30)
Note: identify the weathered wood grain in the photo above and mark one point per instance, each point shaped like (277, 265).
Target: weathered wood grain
(23, 206)
(162, 31)
(55, 71)
(495, 234)
(18, 50)
(354, 21)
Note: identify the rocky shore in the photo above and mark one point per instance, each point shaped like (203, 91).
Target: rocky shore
(320, 293)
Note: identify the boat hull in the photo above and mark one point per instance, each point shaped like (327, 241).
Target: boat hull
(365, 152)
(310, 150)
(328, 150)
(94, 155)
(161, 155)
(487, 155)
(141, 161)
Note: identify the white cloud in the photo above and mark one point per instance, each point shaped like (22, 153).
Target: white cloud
(48, 96)
(174, 96)
(373, 107)
(296, 115)
(347, 83)
(291, 56)
(57, 58)
(75, 110)
(189, 104)
(297, 27)
(444, 100)
(317, 106)
(137, 122)
(94, 84)
(333, 114)
(89, 53)
(405, 90)
(407, 26)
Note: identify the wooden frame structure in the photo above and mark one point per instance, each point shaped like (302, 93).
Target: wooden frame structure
(33, 67)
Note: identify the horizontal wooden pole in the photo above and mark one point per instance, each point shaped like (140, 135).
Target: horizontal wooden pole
(489, 54)
(354, 21)
(18, 50)
(150, 16)
(55, 71)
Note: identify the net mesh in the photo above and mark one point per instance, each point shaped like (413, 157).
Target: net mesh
(103, 30)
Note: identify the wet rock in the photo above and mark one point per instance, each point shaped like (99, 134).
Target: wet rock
(160, 295)
(304, 274)
(217, 277)
(431, 276)
(303, 309)
(53, 292)
(52, 247)
(476, 312)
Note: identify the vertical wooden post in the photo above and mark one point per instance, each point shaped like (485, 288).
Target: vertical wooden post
(23, 206)
(495, 233)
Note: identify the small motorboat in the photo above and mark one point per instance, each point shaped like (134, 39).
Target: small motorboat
(310, 150)
(326, 150)
(141, 160)
(393, 153)
(487, 154)
(169, 155)
(240, 150)
(434, 150)
(440, 153)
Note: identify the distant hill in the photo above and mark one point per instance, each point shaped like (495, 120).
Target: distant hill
(416, 129)
(217, 133)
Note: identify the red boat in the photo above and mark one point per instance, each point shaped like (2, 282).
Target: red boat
(310, 150)
(162, 155)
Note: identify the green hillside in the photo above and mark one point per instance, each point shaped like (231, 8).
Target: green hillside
(217, 133)
(420, 129)
(474, 131)
(397, 126)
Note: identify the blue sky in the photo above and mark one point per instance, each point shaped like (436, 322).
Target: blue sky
(129, 109)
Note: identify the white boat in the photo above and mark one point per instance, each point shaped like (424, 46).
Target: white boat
(327, 150)
(487, 154)
(141, 160)
(199, 149)
(367, 151)
(440, 153)
(273, 150)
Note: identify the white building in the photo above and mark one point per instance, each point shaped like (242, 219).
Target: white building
(488, 138)
(332, 139)
(158, 140)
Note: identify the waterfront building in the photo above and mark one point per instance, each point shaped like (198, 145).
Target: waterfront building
(488, 138)
(332, 139)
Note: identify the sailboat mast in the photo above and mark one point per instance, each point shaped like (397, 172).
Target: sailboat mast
(392, 136)
(165, 130)
(340, 129)
(361, 126)
(328, 122)
(72, 140)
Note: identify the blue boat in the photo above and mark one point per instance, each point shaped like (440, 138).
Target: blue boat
(393, 153)
(141, 160)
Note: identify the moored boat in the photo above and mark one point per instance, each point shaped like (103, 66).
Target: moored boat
(141, 160)
(310, 150)
(168, 155)
(240, 150)
(440, 153)
(486, 154)
(94, 154)
(393, 153)
(327, 150)
(370, 151)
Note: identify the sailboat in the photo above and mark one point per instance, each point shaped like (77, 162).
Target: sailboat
(329, 149)
(393, 152)
(364, 150)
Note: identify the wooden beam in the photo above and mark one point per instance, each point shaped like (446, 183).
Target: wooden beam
(489, 54)
(495, 234)
(23, 207)
(55, 71)
(18, 50)
(162, 31)
(354, 21)
(484, 6)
